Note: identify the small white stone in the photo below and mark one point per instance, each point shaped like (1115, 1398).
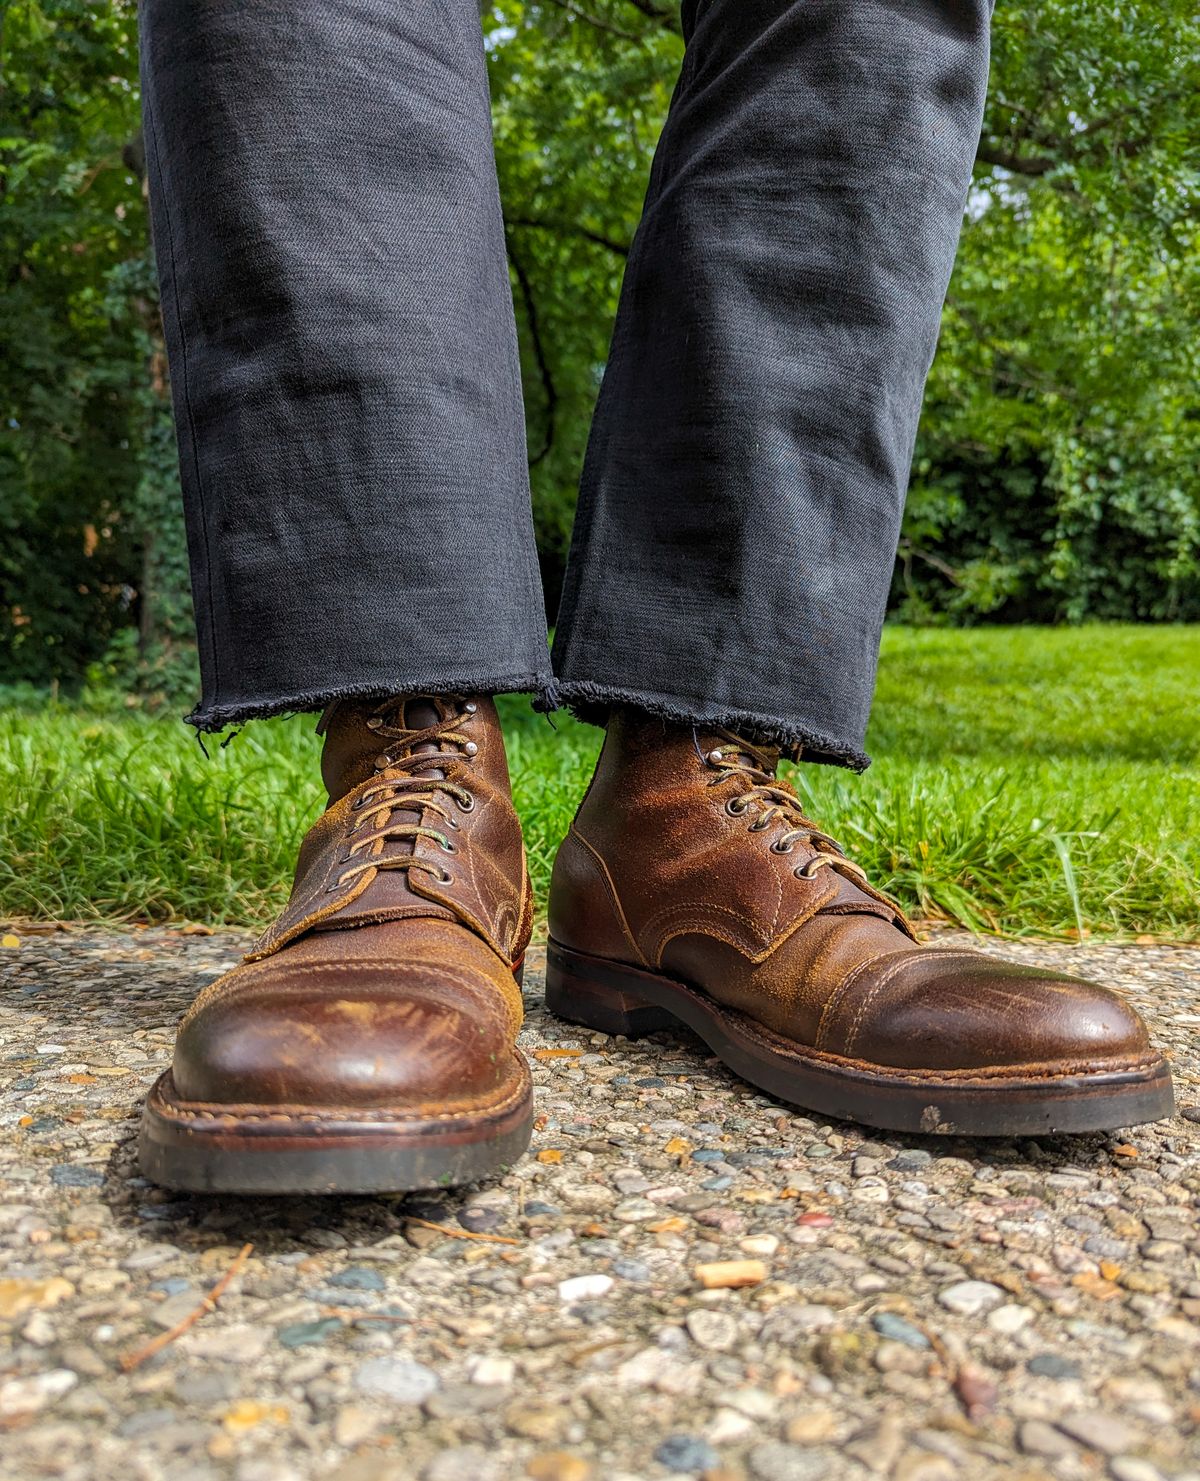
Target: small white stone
(1009, 1318)
(760, 1244)
(584, 1287)
(970, 1297)
(1133, 1468)
(727, 1426)
(715, 1330)
(493, 1372)
(399, 1379)
(38, 1329)
(28, 1395)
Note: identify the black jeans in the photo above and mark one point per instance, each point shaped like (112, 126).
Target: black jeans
(343, 353)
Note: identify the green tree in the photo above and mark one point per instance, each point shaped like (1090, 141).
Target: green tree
(85, 488)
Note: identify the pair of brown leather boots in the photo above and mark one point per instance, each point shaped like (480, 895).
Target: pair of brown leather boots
(368, 1041)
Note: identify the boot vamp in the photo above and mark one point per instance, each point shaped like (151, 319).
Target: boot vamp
(412, 1013)
(855, 987)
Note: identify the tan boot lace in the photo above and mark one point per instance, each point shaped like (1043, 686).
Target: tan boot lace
(775, 802)
(423, 762)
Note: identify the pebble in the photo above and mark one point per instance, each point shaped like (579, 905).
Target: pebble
(492, 1372)
(1050, 1365)
(400, 1379)
(686, 1453)
(558, 1465)
(237, 1343)
(584, 1287)
(887, 1324)
(357, 1278)
(66, 1176)
(1009, 1318)
(970, 1297)
(714, 1330)
(776, 1461)
(463, 1463)
(1036, 1437)
(28, 1395)
(353, 1424)
(1097, 1430)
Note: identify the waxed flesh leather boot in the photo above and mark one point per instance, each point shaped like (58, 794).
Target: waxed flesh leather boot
(367, 1042)
(692, 887)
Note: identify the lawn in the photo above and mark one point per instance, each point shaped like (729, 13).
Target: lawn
(1025, 781)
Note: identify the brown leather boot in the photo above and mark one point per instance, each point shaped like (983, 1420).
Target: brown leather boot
(367, 1042)
(692, 887)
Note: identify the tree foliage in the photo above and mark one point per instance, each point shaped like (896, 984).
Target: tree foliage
(1056, 470)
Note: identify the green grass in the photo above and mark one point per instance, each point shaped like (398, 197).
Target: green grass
(1026, 780)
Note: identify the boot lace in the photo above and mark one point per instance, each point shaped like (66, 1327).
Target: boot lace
(409, 788)
(774, 803)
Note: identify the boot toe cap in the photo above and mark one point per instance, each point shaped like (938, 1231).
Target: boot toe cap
(964, 1011)
(366, 1035)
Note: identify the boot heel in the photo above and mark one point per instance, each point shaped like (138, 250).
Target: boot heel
(583, 991)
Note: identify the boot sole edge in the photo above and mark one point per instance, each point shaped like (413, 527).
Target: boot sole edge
(275, 1150)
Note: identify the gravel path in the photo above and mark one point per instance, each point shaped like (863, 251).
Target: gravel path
(930, 1309)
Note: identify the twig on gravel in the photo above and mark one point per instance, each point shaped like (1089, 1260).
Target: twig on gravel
(462, 1233)
(133, 1360)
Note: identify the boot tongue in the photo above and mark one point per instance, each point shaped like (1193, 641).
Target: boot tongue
(352, 748)
(737, 749)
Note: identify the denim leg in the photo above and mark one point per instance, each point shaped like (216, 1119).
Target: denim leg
(342, 350)
(749, 458)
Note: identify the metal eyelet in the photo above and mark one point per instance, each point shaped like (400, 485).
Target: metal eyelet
(716, 757)
(471, 748)
(735, 807)
(452, 823)
(470, 707)
(449, 846)
(784, 848)
(468, 805)
(447, 877)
